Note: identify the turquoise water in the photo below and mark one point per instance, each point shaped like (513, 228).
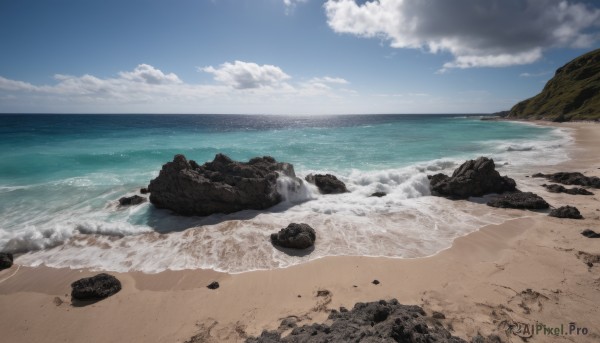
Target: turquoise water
(61, 174)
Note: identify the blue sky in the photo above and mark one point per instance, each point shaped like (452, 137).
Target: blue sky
(285, 56)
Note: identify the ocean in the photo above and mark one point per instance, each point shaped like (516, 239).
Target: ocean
(61, 177)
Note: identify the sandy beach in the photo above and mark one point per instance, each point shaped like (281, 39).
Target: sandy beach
(529, 270)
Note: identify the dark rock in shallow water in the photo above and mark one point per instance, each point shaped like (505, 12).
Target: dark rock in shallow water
(554, 188)
(327, 184)
(220, 186)
(213, 285)
(379, 194)
(95, 287)
(521, 200)
(566, 212)
(473, 178)
(572, 178)
(144, 190)
(295, 236)
(590, 233)
(132, 200)
(6, 260)
(381, 321)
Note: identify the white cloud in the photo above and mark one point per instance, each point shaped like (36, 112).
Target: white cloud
(290, 5)
(241, 87)
(148, 74)
(327, 79)
(542, 73)
(478, 33)
(246, 75)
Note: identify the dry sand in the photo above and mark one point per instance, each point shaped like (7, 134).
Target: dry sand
(525, 270)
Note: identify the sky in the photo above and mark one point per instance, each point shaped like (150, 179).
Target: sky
(285, 56)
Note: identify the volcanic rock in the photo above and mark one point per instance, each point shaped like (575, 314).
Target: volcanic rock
(566, 212)
(132, 200)
(520, 200)
(295, 236)
(379, 194)
(6, 260)
(590, 233)
(327, 184)
(473, 178)
(213, 285)
(95, 287)
(220, 186)
(572, 178)
(554, 188)
(381, 321)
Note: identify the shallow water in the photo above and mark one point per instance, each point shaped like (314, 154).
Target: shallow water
(61, 175)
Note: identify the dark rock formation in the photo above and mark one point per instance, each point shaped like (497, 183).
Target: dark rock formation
(220, 186)
(566, 212)
(520, 200)
(590, 233)
(572, 94)
(554, 188)
(144, 190)
(327, 184)
(213, 285)
(6, 260)
(379, 194)
(382, 321)
(132, 200)
(95, 287)
(295, 236)
(473, 178)
(376, 282)
(438, 315)
(571, 178)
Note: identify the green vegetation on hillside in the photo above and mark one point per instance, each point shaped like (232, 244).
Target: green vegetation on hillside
(572, 94)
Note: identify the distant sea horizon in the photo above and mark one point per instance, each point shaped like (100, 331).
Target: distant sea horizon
(62, 175)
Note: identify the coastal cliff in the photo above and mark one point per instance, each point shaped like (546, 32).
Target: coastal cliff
(572, 94)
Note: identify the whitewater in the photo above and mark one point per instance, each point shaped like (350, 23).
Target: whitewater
(61, 177)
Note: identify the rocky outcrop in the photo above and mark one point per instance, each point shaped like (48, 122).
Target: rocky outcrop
(381, 321)
(132, 200)
(213, 285)
(327, 183)
(571, 178)
(295, 236)
(554, 188)
(566, 212)
(520, 200)
(96, 287)
(6, 260)
(473, 178)
(220, 186)
(572, 94)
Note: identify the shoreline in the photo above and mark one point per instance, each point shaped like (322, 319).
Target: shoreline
(483, 277)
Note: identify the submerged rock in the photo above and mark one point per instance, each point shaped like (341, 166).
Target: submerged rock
(473, 178)
(381, 321)
(132, 200)
(295, 236)
(327, 183)
(6, 260)
(572, 178)
(220, 186)
(96, 287)
(520, 200)
(566, 212)
(379, 194)
(554, 188)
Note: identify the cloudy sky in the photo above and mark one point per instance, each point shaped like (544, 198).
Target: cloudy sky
(285, 56)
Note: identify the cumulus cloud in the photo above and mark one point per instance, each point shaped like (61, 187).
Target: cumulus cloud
(148, 74)
(247, 75)
(478, 33)
(148, 89)
(290, 5)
